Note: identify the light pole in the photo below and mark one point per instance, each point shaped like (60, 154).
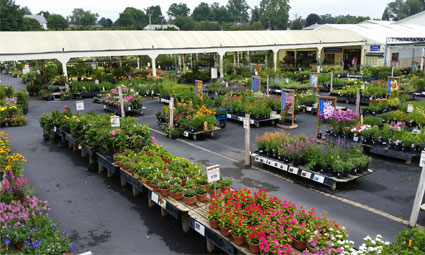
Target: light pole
(162, 20)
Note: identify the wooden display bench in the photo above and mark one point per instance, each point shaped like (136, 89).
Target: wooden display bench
(310, 175)
(274, 118)
(385, 151)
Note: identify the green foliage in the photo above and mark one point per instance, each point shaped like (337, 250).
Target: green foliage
(189, 193)
(408, 242)
(274, 14)
(11, 16)
(57, 22)
(83, 18)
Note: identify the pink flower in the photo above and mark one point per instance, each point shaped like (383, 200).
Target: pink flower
(113, 132)
(153, 139)
(80, 147)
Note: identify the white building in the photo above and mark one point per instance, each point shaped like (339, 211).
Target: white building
(160, 27)
(39, 18)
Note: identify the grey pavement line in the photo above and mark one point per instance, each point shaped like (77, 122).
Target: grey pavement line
(347, 201)
(149, 116)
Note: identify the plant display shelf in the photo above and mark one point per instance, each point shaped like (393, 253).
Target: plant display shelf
(313, 176)
(195, 134)
(117, 110)
(163, 100)
(90, 94)
(385, 151)
(313, 109)
(274, 118)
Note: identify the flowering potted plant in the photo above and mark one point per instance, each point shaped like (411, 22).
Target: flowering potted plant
(213, 191)
(164, 188)
(226, 184)
(177, 191)
(189, 196)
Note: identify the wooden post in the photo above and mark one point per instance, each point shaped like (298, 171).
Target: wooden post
(121, 101)
(358, 101)
(110, 174)
(332, 81)
(247, 128)
(163, 212)
(123, 182)
(418, 199)
(100, 168)
(185, 222)
(171, 113)
(268, 80)
(151, 203)
(135, 192)
(210, 246)
(234, 62)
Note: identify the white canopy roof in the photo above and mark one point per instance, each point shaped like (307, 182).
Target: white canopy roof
(53, 44)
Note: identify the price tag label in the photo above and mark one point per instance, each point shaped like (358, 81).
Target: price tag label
(185, 133)
(293, 170)
(283, 167)
(308, 109)
(422, 161)
(79, 105)
(115, 121)
(251, 121)
(305, 174)
(199, 228)
(240, 118)
(213, 173)
(154, 197)
(410, 108)
(245, 124)
(319, 178)
(129, 108)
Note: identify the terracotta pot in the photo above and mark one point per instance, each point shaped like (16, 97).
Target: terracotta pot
(178, 196)
(183, 182)
(299, 245)
(225, 231)
(238, 240)
(224, 188)
(202, 197)
(189, 200)
(254, 248)
(205, 186)
(155, 187)
(148, 182)
(19, 245)
(214, 224)
(212, 193)
(164, 192)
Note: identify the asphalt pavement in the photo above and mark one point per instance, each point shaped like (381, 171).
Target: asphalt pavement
(106, 219)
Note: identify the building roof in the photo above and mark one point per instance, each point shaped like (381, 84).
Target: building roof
(108, 43)
(159, 26)
(415, 16)
(39, 18)
(378, 33)
(379, 22)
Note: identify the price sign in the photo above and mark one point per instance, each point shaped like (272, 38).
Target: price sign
(213, 173)
(200, 228)
(54, 128)
(79, 105)
(422, 161)
(245, 123)
(129, 108)
(363, 86)
(410, 108)
(115, 121)
(104, 106)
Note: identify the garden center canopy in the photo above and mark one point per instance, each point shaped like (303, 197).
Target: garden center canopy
(64, 45)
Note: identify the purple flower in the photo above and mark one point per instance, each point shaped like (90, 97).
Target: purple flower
(7, 241)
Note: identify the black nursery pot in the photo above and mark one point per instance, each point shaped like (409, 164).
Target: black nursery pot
(295, 162)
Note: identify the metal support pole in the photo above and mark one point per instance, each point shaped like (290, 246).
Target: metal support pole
(247, 141)
(332, 81)
(171, 113)
(153, 61)
(221, 55)
(418, 200)
(275, 59)
(121, 101)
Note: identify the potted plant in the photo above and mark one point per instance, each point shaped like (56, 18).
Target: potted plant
(226, 184)
(201, 193)
(253, 240)
(238, 231)
(215, 210)
(177, 191)
(225, 224)
(213, 192)
(203, 181)
(164, 188)
(189, 196)
(155, 184)
(299, 236)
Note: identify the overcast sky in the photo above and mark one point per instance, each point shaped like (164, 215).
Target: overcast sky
(111, 9)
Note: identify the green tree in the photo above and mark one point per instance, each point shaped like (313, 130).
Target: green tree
(255, 15)
(104, 22)
(27, 10)
(207, 26)
(184, 23)
(56, 22)
(132, 17)
(400, 9)
(274, 14)
(44, 13)
(297, 24)
(361, 18)
(178, 10)
(238, 10)
(31, 25)
(256, 26)
(341, 20)
(156, 13)
(11, 16)
(83, 18)
(201, 12)
(312, 19)
(219, 13)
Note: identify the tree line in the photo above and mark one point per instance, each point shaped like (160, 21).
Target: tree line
(235, 15)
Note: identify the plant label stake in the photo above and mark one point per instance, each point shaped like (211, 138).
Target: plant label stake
(115, 121)
(79, 105)
(314, 80)
(332, 81)
(419, 193)
(410, 108)
(171, 113)
(121, 101)
(268, 80)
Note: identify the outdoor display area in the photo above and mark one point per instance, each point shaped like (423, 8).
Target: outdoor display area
(124, 148)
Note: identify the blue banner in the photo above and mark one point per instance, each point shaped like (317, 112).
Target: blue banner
(321, 103)
(283, 100)
(389, 85)
(255, 83)
(375, 47)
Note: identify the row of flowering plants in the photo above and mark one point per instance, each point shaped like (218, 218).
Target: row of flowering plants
(132, 99)
(337, 158)
(95, 131)
(13, 105)
(271, 226)
(168, 174)
(25, 227)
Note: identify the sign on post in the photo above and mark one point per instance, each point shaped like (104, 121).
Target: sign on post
(199, 85)
(326, 107)
(245, 123)
(79, 105)
(393, 85)
(314, 80)
(213, 173)
(410, 108)
(288, 107)
(255, 84)
(214, 74)
(115, 121)
(419, 193)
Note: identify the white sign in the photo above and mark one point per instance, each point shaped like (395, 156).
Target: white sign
(186, 134)
(422, 161)
(26, 69)
(214, 74)
(319, 178)
(245, 123)
(213, 173)
(410, 108)
(115, 121)
(363, 87)
(79, 105)
(199, 228)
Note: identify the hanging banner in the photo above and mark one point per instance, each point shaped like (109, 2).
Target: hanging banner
(314, 80)
(327, 105)
(283, 101)
(393, 84)
(199, 85)
(288, 99)
(214, 74)
(255, 83)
